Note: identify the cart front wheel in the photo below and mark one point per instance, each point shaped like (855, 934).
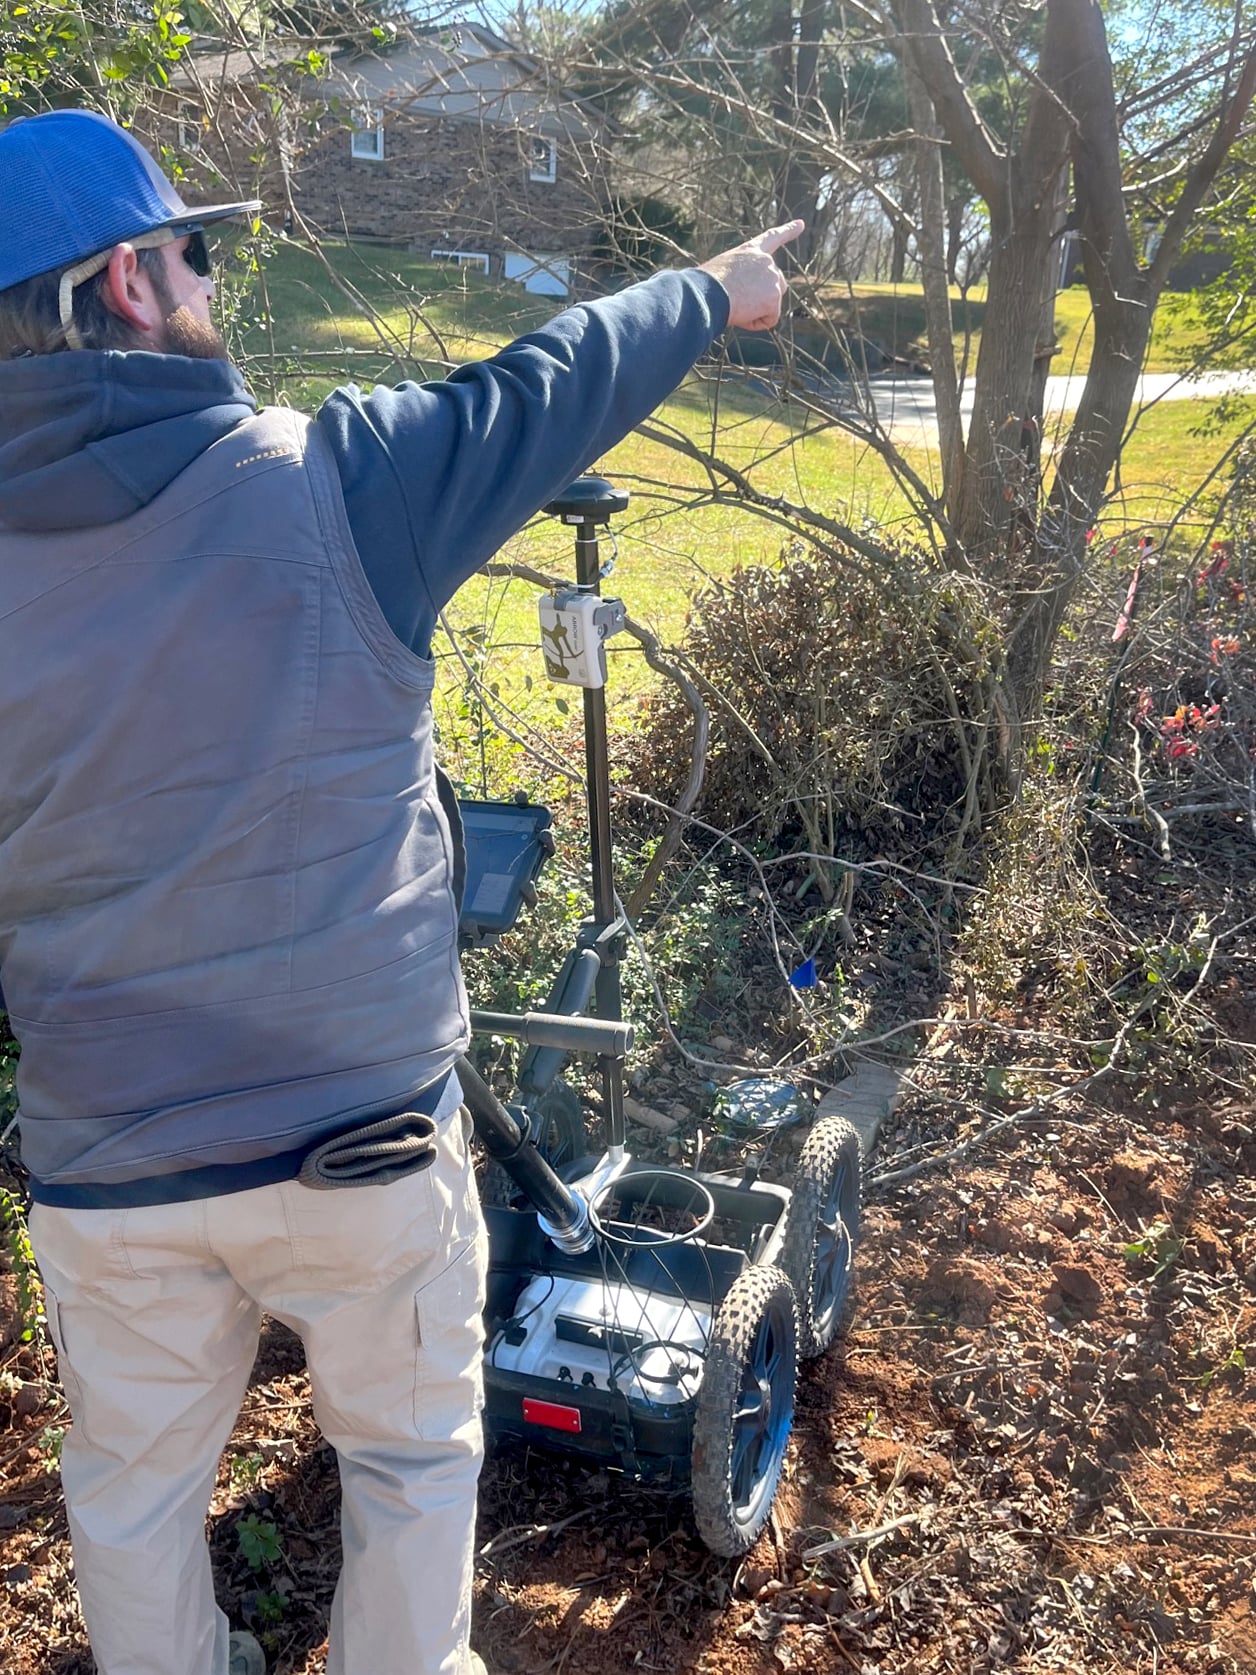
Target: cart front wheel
(821, 1229)
(744, 1411)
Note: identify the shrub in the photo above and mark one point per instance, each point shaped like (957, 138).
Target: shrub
(848, 711)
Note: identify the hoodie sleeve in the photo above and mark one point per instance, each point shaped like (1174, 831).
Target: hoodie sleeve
(437, 476)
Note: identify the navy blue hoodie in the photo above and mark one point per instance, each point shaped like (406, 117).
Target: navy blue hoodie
(435, 476)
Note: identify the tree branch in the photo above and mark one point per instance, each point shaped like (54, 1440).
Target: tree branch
(1205, 169)
(1081, 73)
(925, 42)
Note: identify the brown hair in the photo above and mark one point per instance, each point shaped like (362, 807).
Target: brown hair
(30, 317)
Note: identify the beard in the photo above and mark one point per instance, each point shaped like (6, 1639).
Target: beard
(186, 335)
(182, 332)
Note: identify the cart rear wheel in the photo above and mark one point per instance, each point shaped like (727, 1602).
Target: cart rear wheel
(558, 1121)
(744, 1411)
(558, 1117)
(821, 1228)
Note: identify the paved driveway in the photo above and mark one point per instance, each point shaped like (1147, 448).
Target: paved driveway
(905, 406)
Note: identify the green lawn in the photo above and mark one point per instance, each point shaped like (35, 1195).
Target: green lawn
(1176, 335)
(895, 316)
(391, 317)
(1177, 452)
(427, 314)
(302, 335)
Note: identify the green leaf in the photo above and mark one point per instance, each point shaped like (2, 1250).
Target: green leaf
(258, 1541)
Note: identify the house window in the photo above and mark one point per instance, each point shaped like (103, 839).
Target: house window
(367, 138)
(463, 259)
(546, 276)
(189, 135)
(542, 158)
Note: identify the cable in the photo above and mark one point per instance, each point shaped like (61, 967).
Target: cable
(518, 1319)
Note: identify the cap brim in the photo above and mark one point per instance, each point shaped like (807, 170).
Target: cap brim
(194, 217)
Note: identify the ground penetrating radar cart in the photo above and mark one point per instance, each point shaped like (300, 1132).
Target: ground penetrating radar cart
(648, 1318)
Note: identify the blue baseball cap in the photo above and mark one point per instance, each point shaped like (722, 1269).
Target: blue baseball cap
(73, 184)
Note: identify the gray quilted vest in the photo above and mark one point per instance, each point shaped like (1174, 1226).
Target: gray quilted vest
(226, 916)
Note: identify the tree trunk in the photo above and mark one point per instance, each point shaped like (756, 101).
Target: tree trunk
(795, 45)
(1078, 68)
(1122, 328)
(1044, 342)
(954, 237)
(898, 253)
(998, 488)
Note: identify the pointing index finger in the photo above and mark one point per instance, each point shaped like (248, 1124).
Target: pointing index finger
(775, 237)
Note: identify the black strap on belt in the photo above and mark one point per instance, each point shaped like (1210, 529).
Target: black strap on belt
(384, 1151)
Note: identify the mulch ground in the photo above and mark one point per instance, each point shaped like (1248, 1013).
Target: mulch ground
(1035, 1449)
(1044, 1403)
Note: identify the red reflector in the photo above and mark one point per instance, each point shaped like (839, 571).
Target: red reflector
(551, 1414)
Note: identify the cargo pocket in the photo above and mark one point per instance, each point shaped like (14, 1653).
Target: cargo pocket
(448, 1374)
(56, 1331)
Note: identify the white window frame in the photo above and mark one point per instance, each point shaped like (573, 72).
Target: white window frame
(463, 259)
(545, 172)
(189, 134)
(540, 265)
(368, 125)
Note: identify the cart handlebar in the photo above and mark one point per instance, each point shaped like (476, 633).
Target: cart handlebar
(551, 1029)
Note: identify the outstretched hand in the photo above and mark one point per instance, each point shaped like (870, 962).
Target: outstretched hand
(755, 285)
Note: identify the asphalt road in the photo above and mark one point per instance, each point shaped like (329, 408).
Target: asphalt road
(905, 406)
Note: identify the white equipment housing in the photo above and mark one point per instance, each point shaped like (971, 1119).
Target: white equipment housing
(575, 624)
(606, 1335)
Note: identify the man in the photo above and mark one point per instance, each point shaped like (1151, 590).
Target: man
(227, 876)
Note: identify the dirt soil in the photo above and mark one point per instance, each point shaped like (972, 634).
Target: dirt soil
(1043, 1404)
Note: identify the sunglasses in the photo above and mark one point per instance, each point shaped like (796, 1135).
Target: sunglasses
(196, 253)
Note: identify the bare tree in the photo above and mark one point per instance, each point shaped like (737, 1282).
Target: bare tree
(743, 110)
(1072, 120)
(1019, 103)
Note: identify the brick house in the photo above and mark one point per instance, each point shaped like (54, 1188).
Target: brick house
(446, 142)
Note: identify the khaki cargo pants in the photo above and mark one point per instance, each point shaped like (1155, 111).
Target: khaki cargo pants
(155, 1313)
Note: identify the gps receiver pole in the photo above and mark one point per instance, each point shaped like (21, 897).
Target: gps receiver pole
(575, 623)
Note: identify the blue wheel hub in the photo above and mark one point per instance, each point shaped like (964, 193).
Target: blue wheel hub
(762, 1418)
(830, 1277)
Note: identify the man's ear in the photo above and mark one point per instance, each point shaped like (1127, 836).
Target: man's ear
(128, 292)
